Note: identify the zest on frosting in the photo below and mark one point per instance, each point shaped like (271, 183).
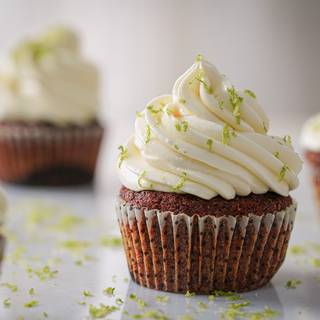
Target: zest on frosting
(207, 139)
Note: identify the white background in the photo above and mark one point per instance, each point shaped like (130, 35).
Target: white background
(142, 46)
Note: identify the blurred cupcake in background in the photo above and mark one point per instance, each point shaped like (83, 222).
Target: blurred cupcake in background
(310, 142)
(49, 98)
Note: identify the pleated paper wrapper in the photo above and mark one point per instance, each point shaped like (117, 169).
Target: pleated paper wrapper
(38, 152)
(180, 253)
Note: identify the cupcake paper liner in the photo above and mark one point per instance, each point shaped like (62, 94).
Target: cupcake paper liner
(180, 253)
(30, 151)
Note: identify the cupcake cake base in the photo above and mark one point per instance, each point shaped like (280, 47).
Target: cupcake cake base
(179, 243)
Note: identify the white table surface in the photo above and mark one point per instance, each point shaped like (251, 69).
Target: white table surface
(39, 243)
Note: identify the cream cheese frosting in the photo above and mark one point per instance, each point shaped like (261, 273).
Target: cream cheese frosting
(206, 139)
(310, 136)
(47, 79)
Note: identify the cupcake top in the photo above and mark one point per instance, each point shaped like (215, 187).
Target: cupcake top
(206, 139)
(46, 79)
(310, 136)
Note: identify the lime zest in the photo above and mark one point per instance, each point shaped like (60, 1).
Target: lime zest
(11, 286)
(7, 303)
(87, 294)
(109, 291)
(180, 183)
(287, 140)
(31, 304)
(111, 241)
(250, 93)
(227, 133)
(198, 57)
(207, 87)
(162, 299)
(315, 262)
(123, 155)
(235, 100)
(293, 283)
(283, 172)
(189, 294)
(101, 311)
(148, 134)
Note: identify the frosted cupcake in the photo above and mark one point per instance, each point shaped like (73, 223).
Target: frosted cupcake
(205, 201)
(310, 142)
(49, 128)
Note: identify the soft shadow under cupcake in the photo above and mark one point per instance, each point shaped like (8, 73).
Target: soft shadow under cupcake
(175, 306)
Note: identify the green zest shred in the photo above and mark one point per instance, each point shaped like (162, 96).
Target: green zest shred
(202, 305)
(207, 87)
(162, 299)
(44, 273)
(141, 176)
(293, 283)
(119, 302)
(228, 295)
(265, 127)
(227, 133)
(111, 241)
(101, 311)
(181, 126)
(75, 245)
(150, 314)
(235, 101)
(283, 172)
(11, 286)
(180, 183)
(148, 134)
(198, 58)
(235, 311)
(87, 294)
(153, 109)
(297, 250)
(123, 154)
(7, 303)
(31, 304)
(250, 93)
(211, 297)
(31, 291)
(189, 294)
(315, 262)
(209, 144)
(141, 303)
(109, 291)
(287, 140)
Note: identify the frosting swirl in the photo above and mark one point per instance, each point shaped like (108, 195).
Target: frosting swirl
(207, 139)
(47, 79)
(310, 135)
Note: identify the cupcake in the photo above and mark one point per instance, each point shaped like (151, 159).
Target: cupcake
(49, 130)
(204, 203)
(310, 142)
